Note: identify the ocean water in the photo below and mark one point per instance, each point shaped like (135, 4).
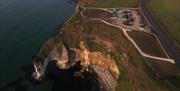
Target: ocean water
(24, 27)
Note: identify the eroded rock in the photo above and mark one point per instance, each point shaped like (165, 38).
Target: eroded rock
(102, 64)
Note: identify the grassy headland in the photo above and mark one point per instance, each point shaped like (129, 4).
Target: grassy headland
(48, 47)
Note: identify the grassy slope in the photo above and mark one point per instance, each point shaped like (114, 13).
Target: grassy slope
(114, 3)
(48, 46)
(167, 13)
(136, 73)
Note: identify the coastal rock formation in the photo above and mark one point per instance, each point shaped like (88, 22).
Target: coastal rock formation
(98, 49)
(101, 64)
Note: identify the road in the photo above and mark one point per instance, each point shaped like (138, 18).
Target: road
(172, 50)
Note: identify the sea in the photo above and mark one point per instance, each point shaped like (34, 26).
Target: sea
(24, 26)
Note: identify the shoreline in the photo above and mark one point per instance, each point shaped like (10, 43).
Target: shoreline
(105, 84)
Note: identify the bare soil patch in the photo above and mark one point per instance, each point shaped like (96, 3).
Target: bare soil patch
(147, 43)
(97, 13)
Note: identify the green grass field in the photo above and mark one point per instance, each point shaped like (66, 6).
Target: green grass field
(112, 3)
(167, 14)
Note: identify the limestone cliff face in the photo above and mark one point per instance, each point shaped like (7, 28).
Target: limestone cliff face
(98, 59)
(102, 64)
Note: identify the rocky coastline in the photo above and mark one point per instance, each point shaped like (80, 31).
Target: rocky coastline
(57, 50)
